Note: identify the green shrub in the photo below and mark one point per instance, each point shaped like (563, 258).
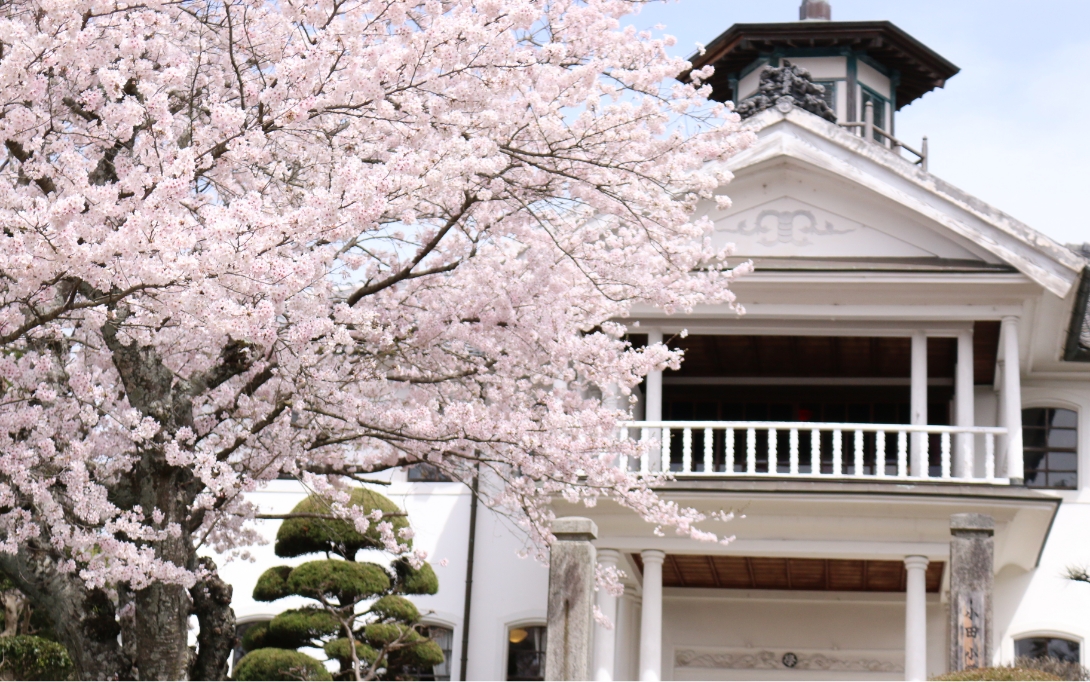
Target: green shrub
(424, 654)
(388, 640)
(346, 581)
(273, 584)
(280, 664)
(393, 607)
(338, 649)
(999, 673)
(297, 537)
(301, 627)
(255, 637)
(27, 657)
(415, 580)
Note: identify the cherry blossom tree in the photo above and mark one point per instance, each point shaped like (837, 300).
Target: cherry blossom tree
(245, 239)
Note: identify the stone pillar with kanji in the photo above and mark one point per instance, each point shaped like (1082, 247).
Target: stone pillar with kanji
(972, 569)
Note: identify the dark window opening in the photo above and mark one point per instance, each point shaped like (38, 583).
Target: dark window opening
(1063, 650)
(526, 653)
(1050, 452)
(427, 473)
(240, 632)
(879, 112)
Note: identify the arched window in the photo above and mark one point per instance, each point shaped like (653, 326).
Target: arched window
(240, 632)
(526, 653)
(1050, 439)
(1060, 649)
(444, 637)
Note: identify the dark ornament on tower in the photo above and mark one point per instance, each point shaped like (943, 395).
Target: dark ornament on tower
(788, 85)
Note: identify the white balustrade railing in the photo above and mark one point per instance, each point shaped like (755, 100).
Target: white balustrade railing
(813, 449)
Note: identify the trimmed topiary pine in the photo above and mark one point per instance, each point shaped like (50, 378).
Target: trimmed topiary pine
(381, 641)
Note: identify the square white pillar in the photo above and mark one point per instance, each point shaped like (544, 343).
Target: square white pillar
(651, 616)
(1012, 399)
(965, 405)
(918, 406)
(653, 408)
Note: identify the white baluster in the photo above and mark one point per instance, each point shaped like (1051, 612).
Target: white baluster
(709, 451)
(622, 461)
(880, 453)
(751, 451)
(858, 452)
(645, 452)
(664, 454)
(794, 444)
(837, 442)
(989, 456)
(815, 452)
(687, 451)
(773, 459)
(945, 440)
(729, 444)
(902, 454)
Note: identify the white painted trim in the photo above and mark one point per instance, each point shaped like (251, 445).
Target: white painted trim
(1045, 632)
(801, 549)
(704, 594)
(798, 381)
(1058, 279)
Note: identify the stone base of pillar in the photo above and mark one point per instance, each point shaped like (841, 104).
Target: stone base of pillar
(972, 570)
(570, 621)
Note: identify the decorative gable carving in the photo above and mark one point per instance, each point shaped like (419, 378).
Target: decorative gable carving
(788, 227)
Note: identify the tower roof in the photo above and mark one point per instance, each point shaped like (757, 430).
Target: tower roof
(919, 68)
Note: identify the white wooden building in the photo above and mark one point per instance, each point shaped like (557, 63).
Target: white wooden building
(909, 353)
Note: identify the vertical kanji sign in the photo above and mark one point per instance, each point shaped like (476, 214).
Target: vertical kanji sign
(970, 630)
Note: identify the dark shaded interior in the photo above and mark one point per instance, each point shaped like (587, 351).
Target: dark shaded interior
(827, 356)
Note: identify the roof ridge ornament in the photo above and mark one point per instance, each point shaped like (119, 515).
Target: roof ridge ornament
(815, 10)
(785, 87)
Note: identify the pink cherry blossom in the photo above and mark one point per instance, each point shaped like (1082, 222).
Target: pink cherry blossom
(321, 239)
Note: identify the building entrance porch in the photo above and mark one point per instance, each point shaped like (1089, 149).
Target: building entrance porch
(775, 618)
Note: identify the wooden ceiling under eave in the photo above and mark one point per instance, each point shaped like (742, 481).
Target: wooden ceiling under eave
(779, 573)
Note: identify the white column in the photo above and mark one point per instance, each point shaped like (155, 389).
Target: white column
(919, 401)
(605, 641)
(653, 412)
(651, 616)
(916, 618)
(1012, 398)
(966, 409)
(653, 409)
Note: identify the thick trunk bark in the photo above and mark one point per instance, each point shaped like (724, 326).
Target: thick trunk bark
(212, 606)
(83, 619)
(14, 604)
(162, 614)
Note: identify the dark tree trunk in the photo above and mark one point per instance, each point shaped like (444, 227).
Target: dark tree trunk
(212, 606)
(83, 619)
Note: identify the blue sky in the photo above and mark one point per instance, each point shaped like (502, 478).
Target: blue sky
(1013, 128)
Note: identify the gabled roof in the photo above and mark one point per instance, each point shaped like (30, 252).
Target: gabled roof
(920, 68)
(806, 139)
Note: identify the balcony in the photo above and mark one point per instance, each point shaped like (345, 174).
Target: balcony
(817, 450)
